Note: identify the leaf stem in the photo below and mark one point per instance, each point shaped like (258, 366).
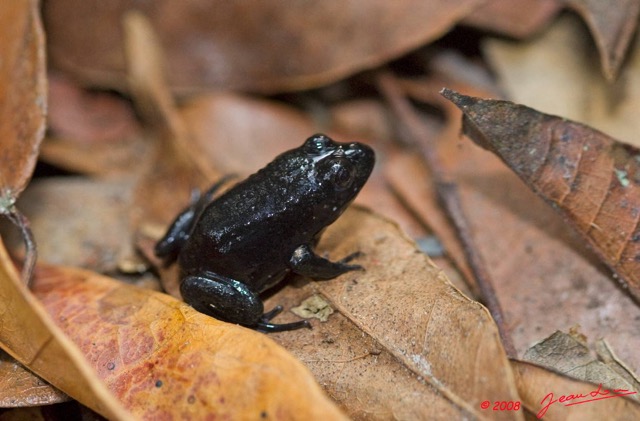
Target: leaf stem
(449, 197)
(31, 253)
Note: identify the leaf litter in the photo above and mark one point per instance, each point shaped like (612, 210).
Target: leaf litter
(356, 352)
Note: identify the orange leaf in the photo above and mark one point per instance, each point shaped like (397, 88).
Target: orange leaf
(163, 359)
(22, 95)
(31, 337)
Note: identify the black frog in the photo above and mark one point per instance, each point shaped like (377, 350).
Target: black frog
(236, 246)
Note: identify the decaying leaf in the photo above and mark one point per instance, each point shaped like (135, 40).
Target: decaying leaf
(364, 378)
(162, 359)
(593, 179)
(612, 25)
(569, 354)
(421, 198)
(225, 127)
(31, 337)
(239, 45)
(556, 397)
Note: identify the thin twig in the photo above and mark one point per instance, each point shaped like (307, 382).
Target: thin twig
(31, 252)
(449, 196)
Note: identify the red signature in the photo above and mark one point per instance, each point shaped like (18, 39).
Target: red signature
(594, 395)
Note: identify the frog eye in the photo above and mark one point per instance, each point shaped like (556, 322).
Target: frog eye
(341, 174)
(318, 143)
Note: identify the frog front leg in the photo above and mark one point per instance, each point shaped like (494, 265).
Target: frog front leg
(230, 300)
(306, 263)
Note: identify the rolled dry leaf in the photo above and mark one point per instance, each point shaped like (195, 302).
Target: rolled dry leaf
(591, 178)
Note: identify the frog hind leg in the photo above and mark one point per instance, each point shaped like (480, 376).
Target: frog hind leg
(232, 301)
(306, 263)
(168, 247)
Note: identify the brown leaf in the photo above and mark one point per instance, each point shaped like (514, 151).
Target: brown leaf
(568, 354)
(31, 337)
(612, 25)
(519, 19)
(91, 132)
(421, 198)
(239, 45)
(541, 391)
(240, 134)
(403, 309)
(363, 377)
(545, 277)
(20, 387)
(162, 359)
(69, 216)
(592, 178)
(176, 165)
(23, 95)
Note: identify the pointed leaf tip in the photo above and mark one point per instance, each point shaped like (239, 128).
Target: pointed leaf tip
(460, 100)
(509, 130)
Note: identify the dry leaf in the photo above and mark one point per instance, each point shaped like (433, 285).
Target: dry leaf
(31, 337)
(612, 25)
(421, 198)
(91, 132)
(20, 387)
(68, 217)
(239, 45)
(89, 117)
(568, 354)
(23, 96)
(519, 19)
(607, 356)
(403, 307)
(239, 134)
(560, 398)
(363, 377)
(544, 277)
(593, 179)
(561, 63)
(175, 166)
(162, 359)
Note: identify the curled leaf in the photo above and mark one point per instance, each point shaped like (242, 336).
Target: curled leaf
(593, 179)
(31, 337)
(612, 25)
(22, 109)
(23, 96)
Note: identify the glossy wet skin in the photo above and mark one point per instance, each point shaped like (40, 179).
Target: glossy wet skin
(236, 246)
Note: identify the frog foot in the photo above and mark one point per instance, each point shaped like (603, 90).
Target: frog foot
(264, 326)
